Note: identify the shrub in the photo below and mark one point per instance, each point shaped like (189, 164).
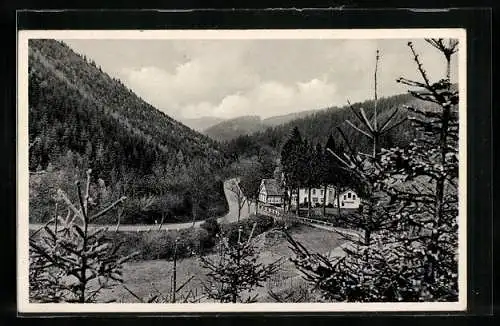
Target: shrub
(212, 227)
(157, 244)
(262, 223)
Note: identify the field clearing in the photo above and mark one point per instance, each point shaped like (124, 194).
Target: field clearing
(154, 276)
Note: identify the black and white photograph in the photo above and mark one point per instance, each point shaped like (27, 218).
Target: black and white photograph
(241, 170)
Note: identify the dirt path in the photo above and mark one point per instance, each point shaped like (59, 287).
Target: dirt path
(231, 216)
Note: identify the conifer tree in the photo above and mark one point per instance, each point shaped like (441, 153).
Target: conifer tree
(423, 180)
(308, 175)
(335, 174)
(69, 262)
(291, 163)
(363, 273)
(235, 270)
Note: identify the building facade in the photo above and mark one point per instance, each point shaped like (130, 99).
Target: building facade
(270, 192)
(348, 198)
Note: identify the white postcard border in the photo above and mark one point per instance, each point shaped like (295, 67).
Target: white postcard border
(24, 306)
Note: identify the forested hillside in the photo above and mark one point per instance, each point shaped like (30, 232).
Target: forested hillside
(230, 129)
(80, 118)
(318, 126)
(202, 123)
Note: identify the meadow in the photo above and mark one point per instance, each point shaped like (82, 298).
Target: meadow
(153, 277)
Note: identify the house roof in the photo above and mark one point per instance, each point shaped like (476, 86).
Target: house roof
(272, 187)
(348, 190)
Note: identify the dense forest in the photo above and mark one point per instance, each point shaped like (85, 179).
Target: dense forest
(245, 125)
(81, 118)
(319, 126)
(232, 128)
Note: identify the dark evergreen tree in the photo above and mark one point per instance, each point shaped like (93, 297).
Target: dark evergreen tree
(235, 270)
(292, 163)
(423, 180)
(371, 269)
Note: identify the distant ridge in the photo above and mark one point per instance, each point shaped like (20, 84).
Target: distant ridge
(317, 125)
(245, 125)
(202, 123)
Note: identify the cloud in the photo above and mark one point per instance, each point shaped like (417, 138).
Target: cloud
(229, 78)
(206, 77)
(274, 98)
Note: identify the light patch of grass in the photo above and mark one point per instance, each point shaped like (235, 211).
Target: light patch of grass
(147, 277)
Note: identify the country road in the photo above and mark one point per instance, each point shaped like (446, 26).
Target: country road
(231, 216)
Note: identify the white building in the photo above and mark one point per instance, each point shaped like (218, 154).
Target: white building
(270, 192)
(348, 198)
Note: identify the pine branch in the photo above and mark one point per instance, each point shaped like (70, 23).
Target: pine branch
(395, 125)
(107, 209)
(358, 129)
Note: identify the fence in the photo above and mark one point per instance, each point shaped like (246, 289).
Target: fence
(272, 211)
(279, 214)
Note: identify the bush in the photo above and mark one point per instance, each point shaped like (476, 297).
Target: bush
(157, 244)
(212, 227)
(263, 223)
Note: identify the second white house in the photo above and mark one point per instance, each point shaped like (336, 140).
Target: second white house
(272, 193)
(347, 199)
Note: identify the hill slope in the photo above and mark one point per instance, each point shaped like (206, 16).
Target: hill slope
(202, 123)
(317, 126)
(82, 118)
(282, 119)
(232, 128)
(245, 125)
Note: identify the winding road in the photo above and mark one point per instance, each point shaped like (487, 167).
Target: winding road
(231, 216)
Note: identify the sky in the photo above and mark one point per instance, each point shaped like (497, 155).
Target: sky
(230, 78)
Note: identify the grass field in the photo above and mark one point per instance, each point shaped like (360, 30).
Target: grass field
(154, 276)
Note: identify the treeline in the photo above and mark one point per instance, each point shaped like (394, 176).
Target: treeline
(317, 127)
(81, 118)
(307, 165)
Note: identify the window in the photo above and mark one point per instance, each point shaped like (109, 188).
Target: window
(353, 196)
(331, 192)
(342, 203)
(345, 197)
(349, 195)
(321, 192)
(314, 191)
(305, 200)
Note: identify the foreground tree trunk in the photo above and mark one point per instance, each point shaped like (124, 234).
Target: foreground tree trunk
(298, 202)
(337, 190)
(162, 220)
(309, 202)
(324, 200)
